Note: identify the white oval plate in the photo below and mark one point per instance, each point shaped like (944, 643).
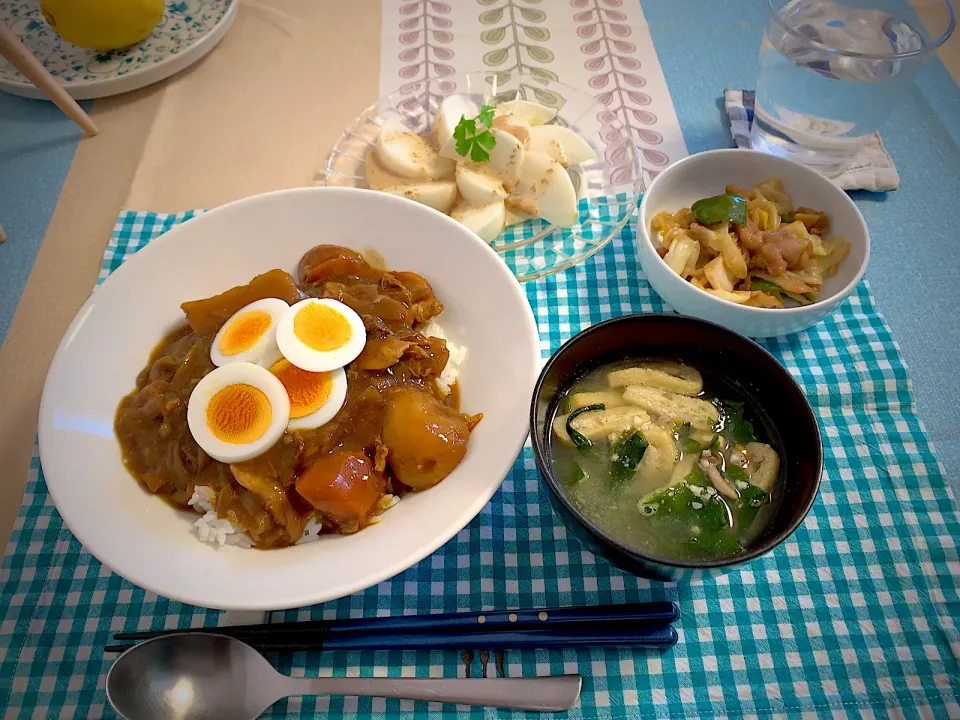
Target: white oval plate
(188, 31)
(149, 543)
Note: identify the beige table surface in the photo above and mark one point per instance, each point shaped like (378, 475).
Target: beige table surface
(194, 141)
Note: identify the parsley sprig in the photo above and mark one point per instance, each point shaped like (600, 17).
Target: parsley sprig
(469, 142)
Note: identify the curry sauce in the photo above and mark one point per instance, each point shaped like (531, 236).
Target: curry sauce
(397, 431)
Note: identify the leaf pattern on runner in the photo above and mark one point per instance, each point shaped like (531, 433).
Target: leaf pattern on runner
(620, 88)
(515, 30)
(426, 33)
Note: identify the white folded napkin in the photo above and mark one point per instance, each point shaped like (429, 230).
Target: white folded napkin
(871, 169)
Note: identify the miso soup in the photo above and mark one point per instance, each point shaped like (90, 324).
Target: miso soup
(663, 461)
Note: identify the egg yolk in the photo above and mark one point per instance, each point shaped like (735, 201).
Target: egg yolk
(244, 331)
(239, 414)
(308, 391)
(321, 328)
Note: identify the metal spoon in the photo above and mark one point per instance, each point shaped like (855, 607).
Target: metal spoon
(200, 675)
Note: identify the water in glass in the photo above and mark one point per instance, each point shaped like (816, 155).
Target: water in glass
(830, 72)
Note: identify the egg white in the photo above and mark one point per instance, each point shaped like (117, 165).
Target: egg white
(325, 413)
(271, 355)
(304, 356)
(266, 343)
(232, 374)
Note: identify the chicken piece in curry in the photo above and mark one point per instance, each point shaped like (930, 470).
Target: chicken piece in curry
(398, 430)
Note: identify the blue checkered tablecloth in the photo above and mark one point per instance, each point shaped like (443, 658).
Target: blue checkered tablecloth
(855, 615)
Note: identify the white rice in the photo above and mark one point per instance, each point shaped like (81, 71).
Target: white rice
(311, 532)
(211, 528)
(219, 531)
(458, 353)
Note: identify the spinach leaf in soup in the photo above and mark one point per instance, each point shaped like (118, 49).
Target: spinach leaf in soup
(736, 474)
(627, 453)
(733, 426)
(578, 474)
(686, 443)
(691, 513)
(752, 499)
(581, 441)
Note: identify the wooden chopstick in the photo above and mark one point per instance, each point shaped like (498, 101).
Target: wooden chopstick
(627, 614)
(650, 636)
(34, 71)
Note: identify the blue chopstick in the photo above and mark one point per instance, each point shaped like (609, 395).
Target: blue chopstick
(628, 615)
(662, 636)
(652, 636)
(652, 613)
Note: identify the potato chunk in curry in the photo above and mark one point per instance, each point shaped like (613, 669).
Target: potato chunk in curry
(344, 486)
(425, 439)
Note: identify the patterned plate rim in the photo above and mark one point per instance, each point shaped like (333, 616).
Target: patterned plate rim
(141, 77)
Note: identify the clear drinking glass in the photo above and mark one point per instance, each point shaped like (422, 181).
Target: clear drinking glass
(832, 70)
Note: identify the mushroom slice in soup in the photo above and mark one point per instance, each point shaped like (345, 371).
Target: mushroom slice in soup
(722, 486)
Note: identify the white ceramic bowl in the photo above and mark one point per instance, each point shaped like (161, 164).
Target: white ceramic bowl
(705, 175)
(143, 539)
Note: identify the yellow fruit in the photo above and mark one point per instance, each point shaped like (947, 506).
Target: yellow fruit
(103, 24)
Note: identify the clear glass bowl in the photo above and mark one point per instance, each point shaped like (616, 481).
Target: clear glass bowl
(608, 187)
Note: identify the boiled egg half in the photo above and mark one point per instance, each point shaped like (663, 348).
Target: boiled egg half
(250, 334)
(315, 397)
(238, 411)
(319, 335)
